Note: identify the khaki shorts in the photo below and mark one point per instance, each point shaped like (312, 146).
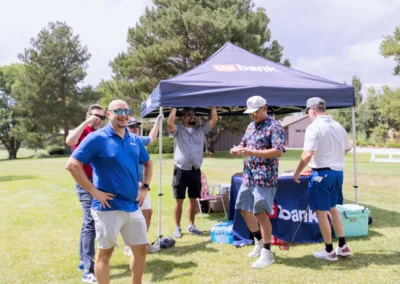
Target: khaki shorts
(132, 226)
(146, 203)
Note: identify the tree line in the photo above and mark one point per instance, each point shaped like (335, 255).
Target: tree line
(44, 95)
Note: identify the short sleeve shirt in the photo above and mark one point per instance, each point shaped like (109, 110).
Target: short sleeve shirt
(189, 146)
(265, 135)
(115, 163)
(329, 140)
(86, 168)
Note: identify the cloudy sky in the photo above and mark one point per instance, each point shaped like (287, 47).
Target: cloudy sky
(334, 39)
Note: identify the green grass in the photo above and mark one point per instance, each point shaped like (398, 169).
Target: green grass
(40, 221)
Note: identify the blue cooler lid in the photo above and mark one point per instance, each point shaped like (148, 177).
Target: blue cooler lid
(352, 209)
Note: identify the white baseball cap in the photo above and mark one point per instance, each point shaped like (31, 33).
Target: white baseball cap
(254, 103)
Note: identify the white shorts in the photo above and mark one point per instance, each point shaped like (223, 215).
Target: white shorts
(132, 226)
(146, 203)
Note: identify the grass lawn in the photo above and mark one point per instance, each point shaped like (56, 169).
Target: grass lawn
(40, 221)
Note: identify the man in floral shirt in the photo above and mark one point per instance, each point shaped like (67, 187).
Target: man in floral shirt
(262, 145)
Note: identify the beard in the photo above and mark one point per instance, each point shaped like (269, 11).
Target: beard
(192, 122)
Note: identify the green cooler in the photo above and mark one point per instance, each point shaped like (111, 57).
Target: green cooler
(355, 219)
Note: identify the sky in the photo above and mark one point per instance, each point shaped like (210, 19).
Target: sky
(333, 39)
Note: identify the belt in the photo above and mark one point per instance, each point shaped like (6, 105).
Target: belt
(322, 169)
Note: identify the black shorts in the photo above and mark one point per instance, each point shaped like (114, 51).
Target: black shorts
(186, 179)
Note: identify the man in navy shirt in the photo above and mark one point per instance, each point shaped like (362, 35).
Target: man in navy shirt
(115, 155)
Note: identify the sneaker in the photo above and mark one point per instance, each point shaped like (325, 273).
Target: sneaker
(89, 278)
(128, 251)
(343, 251)
(323, 254)
(80, 266)
(266, 258)
(151, 248)
(193, 229)
(177, 233)
(258, 245)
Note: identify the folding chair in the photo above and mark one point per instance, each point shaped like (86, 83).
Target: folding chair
(206, 196)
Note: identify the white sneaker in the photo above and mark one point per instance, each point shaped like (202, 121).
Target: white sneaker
(151, 248)
(323, 254)
(128, 251)
(258, 245)
(266, 258)
(89, 278)
(343, 251)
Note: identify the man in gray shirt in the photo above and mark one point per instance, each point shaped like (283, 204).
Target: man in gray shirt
(188, 157)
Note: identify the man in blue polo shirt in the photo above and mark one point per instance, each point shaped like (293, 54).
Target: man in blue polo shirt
(115, 156)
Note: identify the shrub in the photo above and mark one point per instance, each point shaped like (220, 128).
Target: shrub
(167, 143)
(56, 151)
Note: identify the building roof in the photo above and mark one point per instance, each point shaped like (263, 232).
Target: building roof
(290, 119)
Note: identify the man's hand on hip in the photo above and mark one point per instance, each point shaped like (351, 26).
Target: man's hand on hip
(142, 194)
(103, 197)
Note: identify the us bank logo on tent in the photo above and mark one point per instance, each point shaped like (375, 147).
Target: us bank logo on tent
(239, 68)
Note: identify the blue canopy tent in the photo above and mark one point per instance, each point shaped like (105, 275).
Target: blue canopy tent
(232, 75)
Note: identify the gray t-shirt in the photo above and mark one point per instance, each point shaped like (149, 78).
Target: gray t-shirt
(188, 146)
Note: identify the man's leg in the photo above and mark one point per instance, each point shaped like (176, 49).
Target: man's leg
(337, 222)
(324, 226)
(88, 236)
(192, 210)
(102, 266)
(251, 220)
(147, 213)
(178, 212)
(138, 262)
(266, 227)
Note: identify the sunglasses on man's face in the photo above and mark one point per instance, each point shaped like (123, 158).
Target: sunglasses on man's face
(120, 111)
(190, 114)
(255, 113)
(102, 117)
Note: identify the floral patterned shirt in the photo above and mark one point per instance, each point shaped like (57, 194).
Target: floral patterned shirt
(264, 135)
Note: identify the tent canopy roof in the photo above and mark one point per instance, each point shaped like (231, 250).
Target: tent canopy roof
(232, 75)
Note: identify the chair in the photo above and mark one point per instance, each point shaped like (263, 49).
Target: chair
(206, 196)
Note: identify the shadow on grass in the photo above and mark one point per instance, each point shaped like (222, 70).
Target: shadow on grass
(13, 178)
(381, 218)
(182, 250)
(357, 261)
(159, 269)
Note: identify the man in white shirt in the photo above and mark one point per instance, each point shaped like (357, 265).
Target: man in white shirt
(325, 144)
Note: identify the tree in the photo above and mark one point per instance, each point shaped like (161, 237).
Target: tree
(11, 133)
(343, 116)
(175, 36)
(390, 47)
(51, 92)
(389, 107)
(368, 114)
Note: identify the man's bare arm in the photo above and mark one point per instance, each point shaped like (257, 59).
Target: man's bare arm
(214, 116)
(73, 137)
(171, 121)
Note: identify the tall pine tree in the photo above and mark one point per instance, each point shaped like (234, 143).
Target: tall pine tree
(51, 91)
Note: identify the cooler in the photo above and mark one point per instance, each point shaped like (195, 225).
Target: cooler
(355, 219)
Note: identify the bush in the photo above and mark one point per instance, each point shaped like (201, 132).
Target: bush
(167, 143)
(56, 151)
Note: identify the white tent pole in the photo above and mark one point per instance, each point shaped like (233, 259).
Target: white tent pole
(353, 118)
(160, 172)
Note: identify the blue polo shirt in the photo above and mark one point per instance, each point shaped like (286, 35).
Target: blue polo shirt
(115, 162)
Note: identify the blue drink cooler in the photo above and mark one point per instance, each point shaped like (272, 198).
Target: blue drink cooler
(355, 219)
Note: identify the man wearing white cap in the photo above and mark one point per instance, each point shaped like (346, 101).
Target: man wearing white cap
(147, 211)
(325, 144)
(263, 144)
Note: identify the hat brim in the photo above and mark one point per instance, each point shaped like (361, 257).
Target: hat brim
(134, 123)
(251, 110)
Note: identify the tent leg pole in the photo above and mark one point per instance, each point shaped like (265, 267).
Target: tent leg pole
(160, 173)
(353, 118)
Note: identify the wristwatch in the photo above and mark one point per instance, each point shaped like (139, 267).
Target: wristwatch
(146, 186)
